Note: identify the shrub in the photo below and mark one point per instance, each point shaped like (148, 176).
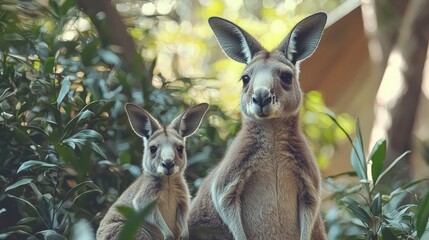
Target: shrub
(375, 214)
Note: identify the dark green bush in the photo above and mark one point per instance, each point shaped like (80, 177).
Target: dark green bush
(401, 213)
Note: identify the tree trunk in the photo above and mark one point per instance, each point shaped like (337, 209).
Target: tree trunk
(398, 95)
(112, 31)
(382, 19)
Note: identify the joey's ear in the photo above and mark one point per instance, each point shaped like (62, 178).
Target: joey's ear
(235, 42)
(189, 121)
(304, 38)
(141, 121)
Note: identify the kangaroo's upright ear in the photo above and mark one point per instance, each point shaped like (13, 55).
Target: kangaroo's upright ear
(141, 121)
(189, 121)
(235, 42)
(301, 42)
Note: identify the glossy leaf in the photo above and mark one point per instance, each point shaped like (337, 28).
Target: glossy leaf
(34, 164)
(134, 220)
(356, 157)
(65, 88)
(70, 194)
(357, 210)
(377, 156)
(19, 183)
(391, 166)
(49, 65)
(376, 205)
(422, 216)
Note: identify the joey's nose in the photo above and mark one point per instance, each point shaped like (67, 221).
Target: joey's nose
(168, 165)
(261, 98)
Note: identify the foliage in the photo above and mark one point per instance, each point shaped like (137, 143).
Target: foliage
(374, 214)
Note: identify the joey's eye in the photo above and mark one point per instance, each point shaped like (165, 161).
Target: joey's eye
(153, 149)
(180, 149)
(286, 77)
(245, 79)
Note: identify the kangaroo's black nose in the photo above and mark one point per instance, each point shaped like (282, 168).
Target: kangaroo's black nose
(262, 99)
(168, 165)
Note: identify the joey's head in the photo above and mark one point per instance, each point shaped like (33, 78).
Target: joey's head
(271, 86)
(164, 146)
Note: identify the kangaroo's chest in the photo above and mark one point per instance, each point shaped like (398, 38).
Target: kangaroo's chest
(269, 199)
(167, 205)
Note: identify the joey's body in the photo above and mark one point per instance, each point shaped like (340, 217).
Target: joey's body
(162, 180)
(268, 184)
(171, 194)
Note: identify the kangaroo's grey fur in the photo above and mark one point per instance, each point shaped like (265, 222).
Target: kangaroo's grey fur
(164, 162)
(268, 184)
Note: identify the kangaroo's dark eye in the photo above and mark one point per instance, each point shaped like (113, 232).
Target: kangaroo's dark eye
(180, 149)
(245, 79)
(153, 149)
(286, 77)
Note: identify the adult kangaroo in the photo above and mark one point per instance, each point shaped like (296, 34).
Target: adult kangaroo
(268, 184)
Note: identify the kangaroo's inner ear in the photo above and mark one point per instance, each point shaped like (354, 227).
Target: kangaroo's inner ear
(235, 42)
(141, 121)
(189, 121)
(302, 41)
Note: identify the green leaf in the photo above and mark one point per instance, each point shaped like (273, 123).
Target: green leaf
(109, 57)
(31, 205)
(356, 157)
(19, 183)
(422, 216)
(89, 52)
(376, 205)
(377, 156)
(72, 124)
(70, 193)
(387, 234)
(66, 6)
(81, 138)
(357, 210)
(405, 187)
(391, 166)
(134, 221)
(35, 164)
(65, 87)
(51, 235)
(49, 65)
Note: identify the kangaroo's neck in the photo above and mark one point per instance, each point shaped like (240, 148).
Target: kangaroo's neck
(273, 128)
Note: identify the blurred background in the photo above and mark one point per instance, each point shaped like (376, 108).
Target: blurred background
(68, 66)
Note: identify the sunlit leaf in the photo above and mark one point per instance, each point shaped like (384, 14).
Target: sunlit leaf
(355, 157)
(358, 154)
(377, 156)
